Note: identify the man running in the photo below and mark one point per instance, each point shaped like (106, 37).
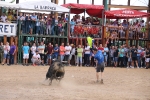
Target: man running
(100, 63)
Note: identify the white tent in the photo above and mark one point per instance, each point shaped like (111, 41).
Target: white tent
(8, 5)
(42, 5)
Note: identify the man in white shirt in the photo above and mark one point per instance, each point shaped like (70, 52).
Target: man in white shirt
(87, 55)
(41, 52)
(67, 52)
(36, 59)
(3, 17)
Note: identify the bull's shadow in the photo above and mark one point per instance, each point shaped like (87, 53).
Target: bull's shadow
(56, 71)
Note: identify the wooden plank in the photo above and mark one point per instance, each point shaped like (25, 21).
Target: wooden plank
(127, 35)
(11, 40)
(5, 39)
(76, 41)
(104, 35)
(129, 7)
(81, 41)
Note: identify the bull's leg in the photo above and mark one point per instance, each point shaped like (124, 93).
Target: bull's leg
(46, 78)
(50, 81)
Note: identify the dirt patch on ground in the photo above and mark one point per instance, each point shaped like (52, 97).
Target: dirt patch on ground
(27, 83)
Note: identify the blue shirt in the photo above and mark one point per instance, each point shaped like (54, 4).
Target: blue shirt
(34, 17)
(56, 48)
(139, 52)
(26, 49)
(121, 52)
(105, 49)
(99, 57)
(72, 23)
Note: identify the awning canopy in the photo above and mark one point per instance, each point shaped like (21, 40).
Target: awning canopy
(92, 10)
(125, 14)
(42, 5)
(8, 5)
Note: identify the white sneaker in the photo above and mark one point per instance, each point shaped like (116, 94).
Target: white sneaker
(132, 67)
(127, 67)
(137, 67)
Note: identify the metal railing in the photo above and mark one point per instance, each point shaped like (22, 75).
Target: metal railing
(128, 33)
(42, 28)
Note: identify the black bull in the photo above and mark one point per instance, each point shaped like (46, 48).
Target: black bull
(55, 71)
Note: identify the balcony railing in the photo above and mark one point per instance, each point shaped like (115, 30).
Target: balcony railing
(29, 27)
(128, 33)
(83, 31)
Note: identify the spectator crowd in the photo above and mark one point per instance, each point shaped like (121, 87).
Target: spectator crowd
(77, 55)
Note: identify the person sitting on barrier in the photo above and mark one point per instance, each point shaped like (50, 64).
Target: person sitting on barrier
(36, 59)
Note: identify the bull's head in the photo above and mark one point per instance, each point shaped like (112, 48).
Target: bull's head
(60, 64)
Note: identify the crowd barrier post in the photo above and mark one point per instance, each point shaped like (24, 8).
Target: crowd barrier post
(127, 36)
(103, 35)
(16, 44)
(5, 39)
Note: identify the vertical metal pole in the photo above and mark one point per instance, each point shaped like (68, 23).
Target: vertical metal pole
(105, 4)
(64, 1)
(17, 1)
(68, 27)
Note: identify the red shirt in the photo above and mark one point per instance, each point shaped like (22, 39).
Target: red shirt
(49, 49)
(101, 48)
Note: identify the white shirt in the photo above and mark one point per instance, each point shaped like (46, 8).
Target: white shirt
(6, 49)
(3, 18)
(79, 20)
(21, 17)
(36, 56)
(33, 49)
(41, 47)
(87, 48)
(142, 24)
(73, 51)
(68, 49)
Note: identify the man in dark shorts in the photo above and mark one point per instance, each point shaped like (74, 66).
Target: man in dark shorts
(100, 63)
(41, 48)
(134, 57)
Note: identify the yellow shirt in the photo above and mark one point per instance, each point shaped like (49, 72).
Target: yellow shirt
(10, 17)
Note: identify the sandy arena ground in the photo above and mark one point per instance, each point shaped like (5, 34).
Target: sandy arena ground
(27, 83)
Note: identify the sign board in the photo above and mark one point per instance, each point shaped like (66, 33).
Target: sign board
(41, 7)
(8, 29)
